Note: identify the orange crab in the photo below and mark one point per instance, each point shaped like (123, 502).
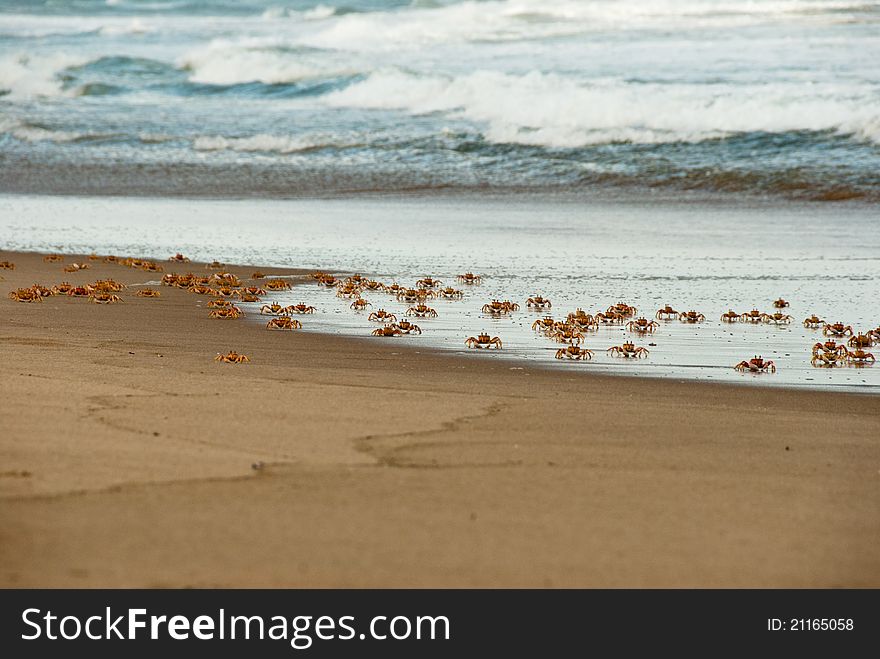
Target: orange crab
(76, 267)
(388, 331)
(360, 304)
(421, 311)
(408, 328)
(148, 292)
(219, 303)
(544, 324)
(756, 365)
(257, 275)
(232, 357)
(730, 316)
(149, 266)
(178, 258)
(813, 322)
(62, 289)
(302, 308)
(691, 317)
(642, 326)
(373, 285)
(753, 316)
(539, 302)
(574, 352)
(860, 341)
(108, 286)
(284, 323)
(780, 303)
(226, 312)
(198, 289)
(837, 329)
(609, 318)
(382, 316)
(429, 282)
(274, 309)
(80, 291)
(666, 313)
(583, 320)
(215, 265)
(276, 285)
(53, 258)
(628, 349)
(470, 278)
(450, 293)
(622, 309)
(860, 357)
(327, 280)
(104, 298)
(413, 295)
(348, 290)
(828, 354)
(25, 295)
(7, 265)
(777, 318)
(483, 340)
(497, 308)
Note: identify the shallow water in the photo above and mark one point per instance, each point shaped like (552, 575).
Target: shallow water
(823, 260)
(769, 97)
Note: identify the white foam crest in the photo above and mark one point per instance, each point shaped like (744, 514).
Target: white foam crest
(134, 26)
(555, 111)
(535, 19)
(24, 76)
(317, 13)
(260, 142)
(258, 60)
(26, 133)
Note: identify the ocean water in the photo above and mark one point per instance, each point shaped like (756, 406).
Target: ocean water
(822, 258)
(769, 98)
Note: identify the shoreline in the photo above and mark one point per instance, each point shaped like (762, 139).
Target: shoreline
(128, 462)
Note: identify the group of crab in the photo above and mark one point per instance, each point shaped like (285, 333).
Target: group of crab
(103, 291)
(754, 316)
(571, 331)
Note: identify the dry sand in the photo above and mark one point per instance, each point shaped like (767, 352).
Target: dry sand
(126, 453)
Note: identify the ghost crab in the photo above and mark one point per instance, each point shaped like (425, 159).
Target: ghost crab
(276, 285)
(388, 331)
(860, 341)
(450, 293)
(691, 317)
(104, 298)
(780, 304)
(274, 309)
(777, 318)
(837, 329)
(25, 295)
(813, 322)
(360, 304)
(408, 328)
(283, 323)
(382, 316)
(574, 352)
(421, 311)
(429, 282)
(148, 292)
(178, 258)
(470, 278)
(544, 324)
(828, 354)
(730, 316)
(538, 302)
(628, 349)
(642, 326)
(232, 357)
(483, 340)
(302, 308)
(230, 312)
(753, 316)
(497, 308)
(622, 309)
(666, 313)
(860, 357)
(756, 365)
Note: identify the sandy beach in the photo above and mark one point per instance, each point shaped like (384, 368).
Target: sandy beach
(127, 456)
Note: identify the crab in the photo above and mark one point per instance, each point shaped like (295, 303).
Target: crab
(199, 289)
(388, 331)
(691, 317)
(171, 279)
(178, 258)
(257, 275)
(780, 303)
(860, 341)
(25, 295)
(860, 357)
(348, 290)
(215, 265)
(875, 334)
(149, 266)
(53, 258)
(148, 292)
(284, 323)
(624, 310)
(837, 329)
(76, 267)
(62, 289)
(232, 357)
(628, 349)
(538, 302)
(226, 291)
(730, 316)
(421, 311)
(7, 265)
(564, 333)
(108, 286)
(829, 357)
(813, 322)
(412, 295)
(753, 316)
(317, 275)
(276, 285)
(483, 340)
(327, 280)
(274, 309)
(408, 328)
(110, 258)
(666, 313)
(470, 278)
(248, 297)
(829, 346)
(756, 365)
(498, 308)
(574, 352)
(302, 307)
(104, 298)
(226, 278)
(80, 291)
(372, 285)
(777, 318)
(642, 326)
(609, 318)
(94, 257)
(226, 312)
(360, 304)
(429, 282)
(394, 289)
(253, 290)
(219, 303)
(450, 293)
(382, 316)
(544, 324)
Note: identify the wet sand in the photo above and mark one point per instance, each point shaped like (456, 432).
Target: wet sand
(127, 456)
